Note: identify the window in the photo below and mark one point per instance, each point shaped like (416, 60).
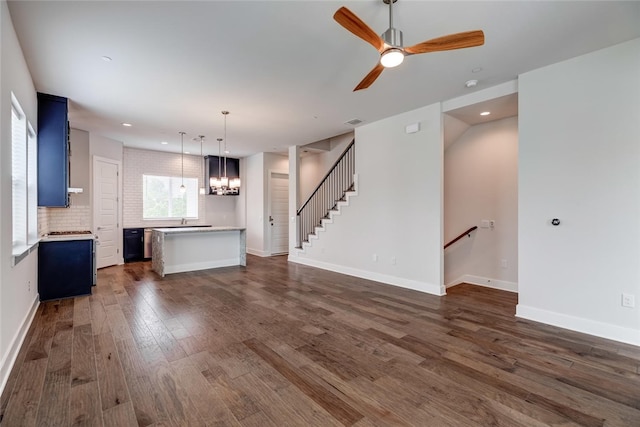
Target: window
(24, 190)
(162, 198)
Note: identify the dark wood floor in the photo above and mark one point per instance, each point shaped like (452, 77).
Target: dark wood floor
(278, 344)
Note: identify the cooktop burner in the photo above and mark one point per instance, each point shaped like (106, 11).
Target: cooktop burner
(67, 233)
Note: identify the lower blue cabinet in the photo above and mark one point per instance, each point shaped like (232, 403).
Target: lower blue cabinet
(65, 269)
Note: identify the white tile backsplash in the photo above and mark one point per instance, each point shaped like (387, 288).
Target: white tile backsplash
(73, 218)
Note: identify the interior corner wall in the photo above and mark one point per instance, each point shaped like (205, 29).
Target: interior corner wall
(391, 231)
(578, 161)
(241, 200)
(255, 204)
(481, 183)
(80, 167)
(18, 284)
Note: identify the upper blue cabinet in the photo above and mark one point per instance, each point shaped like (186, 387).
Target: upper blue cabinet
(53, 151)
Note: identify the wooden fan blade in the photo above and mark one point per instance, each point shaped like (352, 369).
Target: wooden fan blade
(450, 42)
(371, 77)
(352, 23)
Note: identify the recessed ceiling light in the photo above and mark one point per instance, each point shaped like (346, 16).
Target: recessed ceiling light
(164, 142)
(471, 83)
(127, 125)
(106, 58)
(187, 152)
(226, 151)
(485, 113)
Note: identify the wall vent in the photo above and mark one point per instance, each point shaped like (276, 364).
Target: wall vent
(353, 122)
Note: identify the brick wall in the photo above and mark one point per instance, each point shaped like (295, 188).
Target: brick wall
(145, 162)
(73, 218)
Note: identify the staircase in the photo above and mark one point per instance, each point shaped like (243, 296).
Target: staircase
(329, 197)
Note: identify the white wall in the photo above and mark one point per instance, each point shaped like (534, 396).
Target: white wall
(18, 284)
(314, 167)
(481, 183)
(397, 218)
(241, 201)
(259, 167)
(80, 167)
(255, 204)
(105, 147)
(579, 157)
(140, 162)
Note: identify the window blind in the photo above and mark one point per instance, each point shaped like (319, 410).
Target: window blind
(19, 174)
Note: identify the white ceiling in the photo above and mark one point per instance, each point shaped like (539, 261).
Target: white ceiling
(284, 69)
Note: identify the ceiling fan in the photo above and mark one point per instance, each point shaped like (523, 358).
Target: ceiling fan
(392, 52)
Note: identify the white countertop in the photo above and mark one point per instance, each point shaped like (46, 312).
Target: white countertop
(67, 237)
(181, 230)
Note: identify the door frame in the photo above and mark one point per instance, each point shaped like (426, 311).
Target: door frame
(269, 193)
(94, 183)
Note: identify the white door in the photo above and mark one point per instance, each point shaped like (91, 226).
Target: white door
(279, 212)
(105, 213)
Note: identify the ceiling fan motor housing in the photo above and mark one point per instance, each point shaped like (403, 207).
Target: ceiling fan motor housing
(393, 37)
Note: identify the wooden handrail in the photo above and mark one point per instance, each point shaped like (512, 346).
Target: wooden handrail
(468, 232)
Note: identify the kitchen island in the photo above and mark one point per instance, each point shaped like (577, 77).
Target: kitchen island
(176, 250)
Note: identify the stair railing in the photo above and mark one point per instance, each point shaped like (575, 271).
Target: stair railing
(327, 194)
(468, 232)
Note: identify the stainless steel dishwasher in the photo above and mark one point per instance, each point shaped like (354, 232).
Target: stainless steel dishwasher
(147, 242)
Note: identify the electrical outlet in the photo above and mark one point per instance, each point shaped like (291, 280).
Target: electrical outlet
(393, 260)
(628, 300)
(492, 224)
(374, 258)
(484, 223)
(504, 264)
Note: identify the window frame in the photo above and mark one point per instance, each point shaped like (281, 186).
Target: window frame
(24, 184)
(174, 182)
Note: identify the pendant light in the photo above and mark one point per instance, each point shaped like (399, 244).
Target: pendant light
(204, 178)
(183, 189)
(221, 184)
(233, 183)
(215, 182)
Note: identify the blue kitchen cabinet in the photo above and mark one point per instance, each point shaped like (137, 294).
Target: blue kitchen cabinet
(65, 268)
(53, 151)
(133, 244)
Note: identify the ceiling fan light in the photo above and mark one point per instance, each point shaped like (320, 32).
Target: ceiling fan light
(392, 58)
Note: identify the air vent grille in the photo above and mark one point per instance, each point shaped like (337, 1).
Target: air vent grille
(353, 122)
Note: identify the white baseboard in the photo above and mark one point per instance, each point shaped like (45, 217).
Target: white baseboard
(9, 358)
(486, 282)
(195, 266)
(429, 288)
(579, 324)
(258, 253)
